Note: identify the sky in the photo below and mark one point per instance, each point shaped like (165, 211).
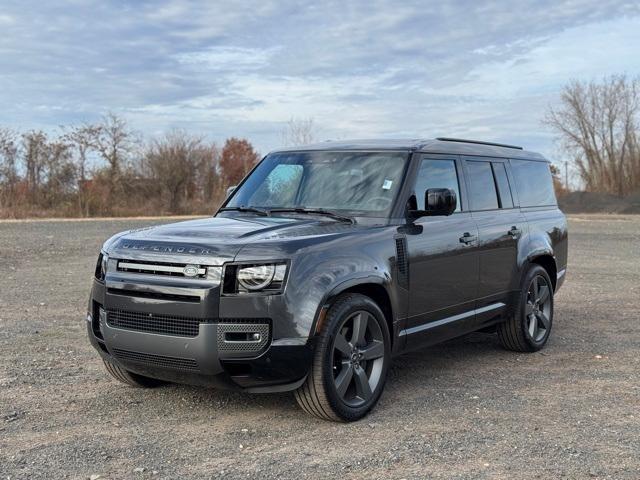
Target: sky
(359, 69)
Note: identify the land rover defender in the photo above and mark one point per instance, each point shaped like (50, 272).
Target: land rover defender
(329, 260)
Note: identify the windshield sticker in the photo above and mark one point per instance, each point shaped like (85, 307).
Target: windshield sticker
(387, 184)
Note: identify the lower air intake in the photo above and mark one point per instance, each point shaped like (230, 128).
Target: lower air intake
(175, 363)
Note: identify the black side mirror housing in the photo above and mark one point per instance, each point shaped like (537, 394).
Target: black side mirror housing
(437, 202)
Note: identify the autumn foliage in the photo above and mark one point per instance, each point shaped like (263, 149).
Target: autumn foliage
(107, 169)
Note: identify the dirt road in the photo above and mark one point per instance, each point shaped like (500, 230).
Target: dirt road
(465, 409)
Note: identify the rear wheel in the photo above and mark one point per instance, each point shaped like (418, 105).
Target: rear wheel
(529, 327)
(350, 362)
(130, 378)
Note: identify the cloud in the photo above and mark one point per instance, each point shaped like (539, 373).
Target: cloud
(466, 68)
(228, 58)
(6, 20)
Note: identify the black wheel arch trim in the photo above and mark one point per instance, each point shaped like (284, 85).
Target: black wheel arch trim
(345, 285)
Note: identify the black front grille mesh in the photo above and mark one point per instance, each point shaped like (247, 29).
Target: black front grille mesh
(187, 364)
(155, 323)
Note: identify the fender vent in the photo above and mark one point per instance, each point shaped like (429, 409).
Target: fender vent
(402, 264)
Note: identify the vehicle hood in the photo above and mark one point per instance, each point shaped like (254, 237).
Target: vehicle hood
(215, 240)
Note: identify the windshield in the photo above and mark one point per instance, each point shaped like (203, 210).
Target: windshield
(359, 183)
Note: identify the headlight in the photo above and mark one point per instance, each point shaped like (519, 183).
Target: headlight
(257, 278)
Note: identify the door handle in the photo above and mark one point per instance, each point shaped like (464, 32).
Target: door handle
(467, 238)
(514, 232)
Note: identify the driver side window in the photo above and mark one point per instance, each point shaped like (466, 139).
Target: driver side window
(436, 173)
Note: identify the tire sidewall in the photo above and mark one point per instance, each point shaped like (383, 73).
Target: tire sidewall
(335, 318)
(534, 271)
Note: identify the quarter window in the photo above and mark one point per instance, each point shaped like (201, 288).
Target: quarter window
(436, 174)
(482, 186)
(534, 182)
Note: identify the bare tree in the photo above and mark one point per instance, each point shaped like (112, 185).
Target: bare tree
(299, 131)
(82, 140)
(208, 176)
(115, 142)
(59, 170)
(8, 165)
(34, 145)
(173, 162)
(598, 128)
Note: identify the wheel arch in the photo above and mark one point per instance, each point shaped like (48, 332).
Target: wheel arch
(548, 262)
(372, 287)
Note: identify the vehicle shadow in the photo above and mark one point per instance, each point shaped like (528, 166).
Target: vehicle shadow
(411, 372)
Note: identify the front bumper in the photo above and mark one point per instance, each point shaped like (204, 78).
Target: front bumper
(216, 352)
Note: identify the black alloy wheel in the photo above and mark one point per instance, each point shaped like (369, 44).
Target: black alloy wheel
(358, 358)
(350, 363)
(528, 327)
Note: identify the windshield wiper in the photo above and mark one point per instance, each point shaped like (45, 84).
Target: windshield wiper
(242, 208)
(315, 211)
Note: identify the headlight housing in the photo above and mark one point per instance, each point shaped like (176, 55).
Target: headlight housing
(255, 278)
(101, 266)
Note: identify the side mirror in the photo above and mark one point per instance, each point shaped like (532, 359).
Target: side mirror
(230, 190)
(437, 202)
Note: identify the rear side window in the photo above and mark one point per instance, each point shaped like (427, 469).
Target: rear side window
(482, 186)
(436, 174)
(534, 183)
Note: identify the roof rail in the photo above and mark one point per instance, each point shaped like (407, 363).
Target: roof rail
(462, 140)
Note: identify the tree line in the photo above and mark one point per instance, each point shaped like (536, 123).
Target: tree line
(598, 125)
(106, 168)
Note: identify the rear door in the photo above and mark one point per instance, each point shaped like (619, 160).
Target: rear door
(443, 259)
(500, 227)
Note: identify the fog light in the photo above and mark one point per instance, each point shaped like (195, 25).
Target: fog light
(256, 337)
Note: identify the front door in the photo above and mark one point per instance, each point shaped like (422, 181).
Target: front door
(443, 260)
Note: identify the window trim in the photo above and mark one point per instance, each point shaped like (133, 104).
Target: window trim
(495, 179)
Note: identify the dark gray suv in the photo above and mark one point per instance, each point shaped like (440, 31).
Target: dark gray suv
(327, 261)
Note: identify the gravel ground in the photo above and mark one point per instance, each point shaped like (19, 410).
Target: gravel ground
(464, 409)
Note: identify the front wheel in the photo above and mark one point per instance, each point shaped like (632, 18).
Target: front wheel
(130, 378)
(529, 327)
(350, 362)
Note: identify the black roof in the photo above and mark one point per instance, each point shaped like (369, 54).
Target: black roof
(436, 145)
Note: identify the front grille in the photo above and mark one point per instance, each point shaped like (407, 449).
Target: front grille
(176, 363)
(162, 268)
(155, 323)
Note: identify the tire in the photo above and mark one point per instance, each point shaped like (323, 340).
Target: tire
(130, 378)
(350, 363)
(529, 326)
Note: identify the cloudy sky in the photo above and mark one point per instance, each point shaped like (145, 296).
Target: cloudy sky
(485, 70)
